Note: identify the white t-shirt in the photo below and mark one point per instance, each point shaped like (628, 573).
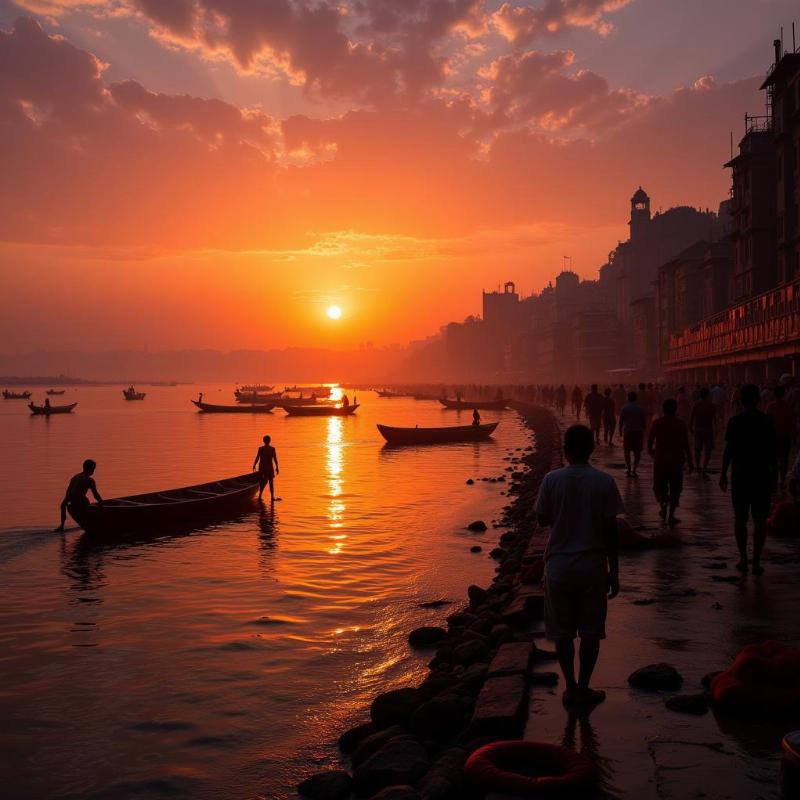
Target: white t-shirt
(577, 499)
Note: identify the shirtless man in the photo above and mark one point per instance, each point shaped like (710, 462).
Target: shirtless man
(265, 458)
(78, 487)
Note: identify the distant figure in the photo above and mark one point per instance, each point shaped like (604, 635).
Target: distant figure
(784, 422)
(684, 406)
(668, 445)
(632, 424)
(561, 398)
(458, 396)
(750, 453)
(346, 401)
(79, 485)
(355, 400)
(476, 417)
(609, 418)
(577, 402)
(265, 458)
(200, 398)
(580, 504)
(594, 403)
(47, 405)
(703, 426)
(620, 397)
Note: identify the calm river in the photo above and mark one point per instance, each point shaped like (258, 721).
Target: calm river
(222, 663)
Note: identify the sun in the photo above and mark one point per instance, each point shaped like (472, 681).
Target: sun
(334, 312)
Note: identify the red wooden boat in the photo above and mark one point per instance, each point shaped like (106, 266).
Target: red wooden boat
(458, 433)
(320, 410)
(468, 405)
(132, 394)
(48, 410)
(257, 408)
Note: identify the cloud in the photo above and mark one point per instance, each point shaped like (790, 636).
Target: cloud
(523, 24)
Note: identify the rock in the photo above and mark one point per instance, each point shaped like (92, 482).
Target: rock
(350, 739)
(469, 651)
(436, 682)
(444, 780)
(479, 526)
(472, 679)
(461, 620)
(369, 746)
(470, 482)
(437, 719)
(688, 703)
(333, 785)
(656, 676)
(512, 658)
(497, 553)
(500, 710)
(477, 595)
(426, 636)
(543, 678)
(644, 601)
(394, 707)
(435, 603)
(705, 681)
(501, 633)
(476, 548)
(397, 793)
(400, 762)
(545, 655)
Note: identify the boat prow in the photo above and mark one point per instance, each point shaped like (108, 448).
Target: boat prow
(448, 435)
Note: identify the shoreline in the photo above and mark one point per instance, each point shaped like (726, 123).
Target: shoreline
(416, 739)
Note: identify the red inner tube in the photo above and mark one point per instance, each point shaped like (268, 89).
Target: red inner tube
(530, 769)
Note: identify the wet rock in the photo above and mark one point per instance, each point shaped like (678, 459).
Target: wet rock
(645, 601)
(477, 595)
(369, 746)
(497, 553)
(394, 707)
(543, 678)
(501, 633)
(350, 739)
(656, 676)
(397, 793)
(472, 678)
(462, 619)
(688, 703)
(705, 681)
(438, 718)
(511, 658)
(444, 780)
(400, 762)
(470, 482)
(476, 548)
(426, 636)
(435, 603)
(478, 526)
(469, 651)
(500, 707)
(333, 785)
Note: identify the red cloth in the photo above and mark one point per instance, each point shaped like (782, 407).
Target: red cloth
(764, 678)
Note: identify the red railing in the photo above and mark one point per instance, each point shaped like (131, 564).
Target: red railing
(768, 320)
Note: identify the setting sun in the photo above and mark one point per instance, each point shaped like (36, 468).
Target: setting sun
(334, 312)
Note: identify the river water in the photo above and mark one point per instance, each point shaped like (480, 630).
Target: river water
(223, 662)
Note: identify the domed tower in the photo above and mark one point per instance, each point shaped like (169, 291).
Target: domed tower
(640, 213)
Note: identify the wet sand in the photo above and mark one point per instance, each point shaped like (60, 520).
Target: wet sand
(697, 621)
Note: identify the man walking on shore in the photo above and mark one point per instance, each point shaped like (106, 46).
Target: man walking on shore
(580, 505)
(632, 423)
(703, 425)
(593, 403)
(750, 452)
(668, 445)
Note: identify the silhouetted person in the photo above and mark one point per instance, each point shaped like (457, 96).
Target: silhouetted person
(632, 423)
(577, 401)
(580, 505)
(668, 445)
(267, 463)
(594, 403)
(476, 417)
(703, 427)
(200, 398)
(77, 489)
(609, 417)
(346, 401)
(47, 405)
(783, 420)
(750, 454)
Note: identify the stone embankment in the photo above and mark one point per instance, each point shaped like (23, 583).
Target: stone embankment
(485, 662)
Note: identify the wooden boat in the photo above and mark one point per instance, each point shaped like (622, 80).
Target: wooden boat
(243, 397)
(56, 391)
(16, 395)
(258, 388)
(468, 405)
(132, 394)
(319, 391)
(48, 410)
(389, 393)
(458, 433)
(172, 507)
(255, 408)
(320, 410)
(301, 401)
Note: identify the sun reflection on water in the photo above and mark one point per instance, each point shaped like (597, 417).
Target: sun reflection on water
(334, 463)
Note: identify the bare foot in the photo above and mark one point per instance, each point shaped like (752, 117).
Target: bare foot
(588, 697)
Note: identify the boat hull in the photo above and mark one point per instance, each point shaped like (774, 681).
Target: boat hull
(16, 395)
(258, 408)
(175, 507)
(415, 436)
(55, 391)
(320, 411)
(47, 412)
(466, 405)
(134, 395)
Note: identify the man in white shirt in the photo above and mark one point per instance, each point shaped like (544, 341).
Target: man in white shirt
(580, 504)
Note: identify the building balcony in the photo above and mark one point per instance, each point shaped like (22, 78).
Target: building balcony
(767, 325)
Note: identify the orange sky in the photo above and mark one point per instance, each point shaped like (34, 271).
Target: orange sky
(215, 174)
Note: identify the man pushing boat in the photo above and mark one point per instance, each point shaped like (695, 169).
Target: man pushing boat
(265, 458)
(79, 486)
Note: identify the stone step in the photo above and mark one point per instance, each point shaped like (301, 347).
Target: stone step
(501, 707)
(512, 658)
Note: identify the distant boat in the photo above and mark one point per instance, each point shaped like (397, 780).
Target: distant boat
(458, 433)
(16, 395)
(132, 394)
(172, 507)
(389, 393)
(319, 391)
(56, 391)
(254, 397)
(320, 410)
(251, 388)
(301, 401)
(48, 410)
(468, 405)
(254, 408)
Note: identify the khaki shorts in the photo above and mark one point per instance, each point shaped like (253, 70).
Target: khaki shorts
(575, 608)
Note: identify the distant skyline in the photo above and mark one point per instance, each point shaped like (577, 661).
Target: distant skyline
(204, 173)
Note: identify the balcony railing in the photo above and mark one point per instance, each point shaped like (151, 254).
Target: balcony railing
(769, 320)
(757, 123)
